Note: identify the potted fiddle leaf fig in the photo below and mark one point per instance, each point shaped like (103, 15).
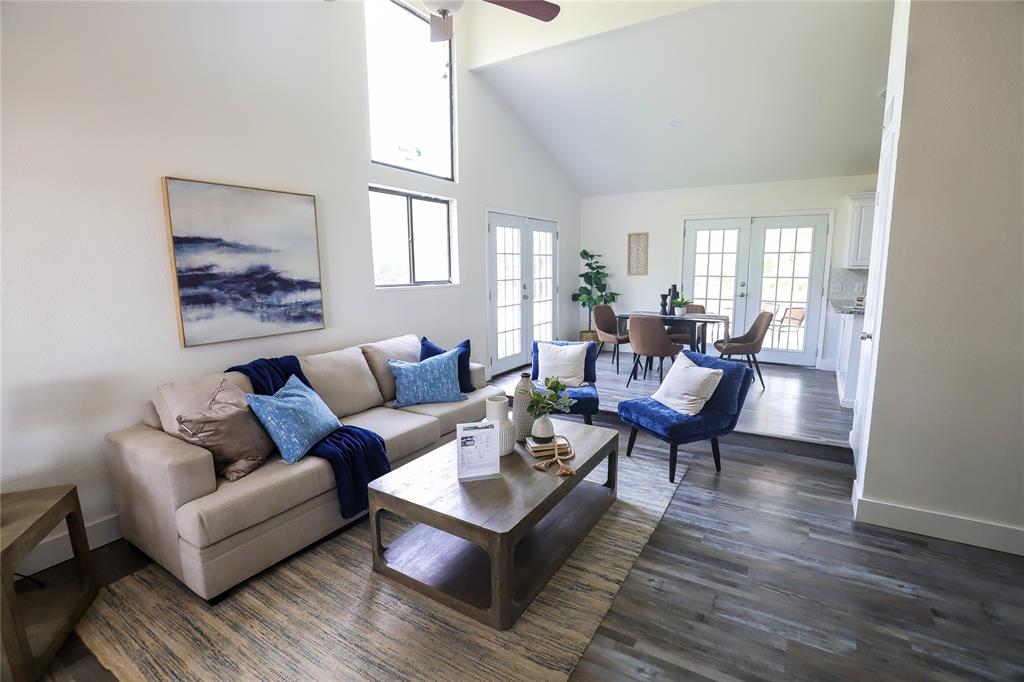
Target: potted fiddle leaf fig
(594, 290)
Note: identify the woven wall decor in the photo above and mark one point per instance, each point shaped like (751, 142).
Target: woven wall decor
(636, 259)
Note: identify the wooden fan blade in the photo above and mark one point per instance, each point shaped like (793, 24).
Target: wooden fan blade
(538, 9)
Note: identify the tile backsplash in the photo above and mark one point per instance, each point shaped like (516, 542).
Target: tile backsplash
(846, 284)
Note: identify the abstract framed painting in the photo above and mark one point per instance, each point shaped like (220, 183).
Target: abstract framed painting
(246, 261)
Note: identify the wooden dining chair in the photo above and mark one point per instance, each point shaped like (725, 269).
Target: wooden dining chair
(607, 326)
(684, 337)
(748, 344)
(648, 337)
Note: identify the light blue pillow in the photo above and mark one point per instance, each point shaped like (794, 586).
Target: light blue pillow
(434, 380)
(295, 417)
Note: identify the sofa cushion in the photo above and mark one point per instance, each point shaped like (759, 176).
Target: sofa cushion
(586, 397)
(652, 416)
(473, 409)
(343, 380)
(434, 380)
(272, 489)
(190, 396)
(403, 432)
(405, 348)
(478, 374)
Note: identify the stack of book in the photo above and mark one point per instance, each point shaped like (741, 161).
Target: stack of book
(557, 447)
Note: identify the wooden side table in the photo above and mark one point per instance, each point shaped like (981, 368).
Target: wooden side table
(36, 623)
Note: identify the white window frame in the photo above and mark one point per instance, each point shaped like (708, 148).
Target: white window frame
(411, 252)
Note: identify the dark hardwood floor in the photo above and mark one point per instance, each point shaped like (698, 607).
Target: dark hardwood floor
(759, 573)
(798, 402)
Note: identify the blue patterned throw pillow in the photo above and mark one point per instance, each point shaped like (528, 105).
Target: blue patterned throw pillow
(434, 380)
(295, 417)
(429, 349)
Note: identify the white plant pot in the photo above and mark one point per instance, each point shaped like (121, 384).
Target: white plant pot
(543, 429)
(497, 412)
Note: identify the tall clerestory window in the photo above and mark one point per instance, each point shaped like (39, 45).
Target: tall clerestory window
(411, 91)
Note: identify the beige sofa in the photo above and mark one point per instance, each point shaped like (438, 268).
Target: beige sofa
(213, 534)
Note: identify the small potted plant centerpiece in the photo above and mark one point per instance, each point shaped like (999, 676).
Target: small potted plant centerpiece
(543, 402)
(593, 291)
(681, 303)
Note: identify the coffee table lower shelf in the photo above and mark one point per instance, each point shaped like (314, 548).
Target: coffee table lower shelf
(492, 583)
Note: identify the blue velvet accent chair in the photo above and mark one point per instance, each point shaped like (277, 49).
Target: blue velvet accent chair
(587, 401)
(717, 419)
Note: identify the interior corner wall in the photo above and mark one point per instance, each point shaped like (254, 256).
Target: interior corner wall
(945, 453)
(606, 221)
(101, 99)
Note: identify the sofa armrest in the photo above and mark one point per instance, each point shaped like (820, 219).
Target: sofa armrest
(478, 374)
(153, 474)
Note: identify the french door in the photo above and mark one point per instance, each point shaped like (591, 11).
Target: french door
(521, 298)
(741, 266)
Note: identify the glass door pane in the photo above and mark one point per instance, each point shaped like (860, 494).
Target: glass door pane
(543, 285)
(509, 300)
(715, 270)
(786, 272)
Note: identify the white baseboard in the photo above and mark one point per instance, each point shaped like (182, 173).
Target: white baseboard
(827, 364)
(977, 532)
(56, 548)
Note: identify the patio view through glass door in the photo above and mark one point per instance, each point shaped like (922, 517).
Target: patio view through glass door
(522, 287)
(741, 266)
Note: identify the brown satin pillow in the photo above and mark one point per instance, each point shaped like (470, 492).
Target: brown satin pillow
(229, 430)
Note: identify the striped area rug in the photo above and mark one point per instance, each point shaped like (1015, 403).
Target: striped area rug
(325, 615)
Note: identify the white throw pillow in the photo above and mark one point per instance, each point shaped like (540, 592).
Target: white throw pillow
(687, 387)
(564, 362)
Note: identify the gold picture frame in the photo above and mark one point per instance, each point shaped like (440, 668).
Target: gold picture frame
(245, 261)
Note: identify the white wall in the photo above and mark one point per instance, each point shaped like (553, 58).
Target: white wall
(606, 220)
(495, 34)
(102, 99)
(946, 437)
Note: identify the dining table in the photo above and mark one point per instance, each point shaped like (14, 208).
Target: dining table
(691, 321)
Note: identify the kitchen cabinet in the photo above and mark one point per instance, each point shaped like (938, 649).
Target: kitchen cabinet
(849, 357)
(862, 221)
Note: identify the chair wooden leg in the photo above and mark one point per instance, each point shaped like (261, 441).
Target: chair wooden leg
(661, 370)
(600, 347)
(757, 366)
(716, 453)
(618, 353)
(588, 420)
(647, 365)
(632, 439)
(633, 372)
(750, 363)
(673, 452)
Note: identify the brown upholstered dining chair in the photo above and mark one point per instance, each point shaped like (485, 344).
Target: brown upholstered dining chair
(648, 337)
(749, 344)
(607, 326)
(683, 336)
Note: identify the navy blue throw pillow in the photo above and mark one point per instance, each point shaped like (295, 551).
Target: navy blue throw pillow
(429, 349)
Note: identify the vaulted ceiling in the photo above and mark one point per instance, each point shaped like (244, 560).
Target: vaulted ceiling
(723, 93)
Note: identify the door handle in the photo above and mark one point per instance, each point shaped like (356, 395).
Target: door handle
(865, 336)
(525, 297)
(742, 294)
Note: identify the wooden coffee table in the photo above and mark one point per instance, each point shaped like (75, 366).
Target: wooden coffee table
(487, 548)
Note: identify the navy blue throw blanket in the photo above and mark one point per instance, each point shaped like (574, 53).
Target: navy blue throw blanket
(357, 456)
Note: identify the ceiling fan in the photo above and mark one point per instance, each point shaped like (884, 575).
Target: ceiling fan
(441, 12)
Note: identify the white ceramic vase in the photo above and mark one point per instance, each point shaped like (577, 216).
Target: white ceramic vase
(497, 412)
(522, 422)
(543, 429)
